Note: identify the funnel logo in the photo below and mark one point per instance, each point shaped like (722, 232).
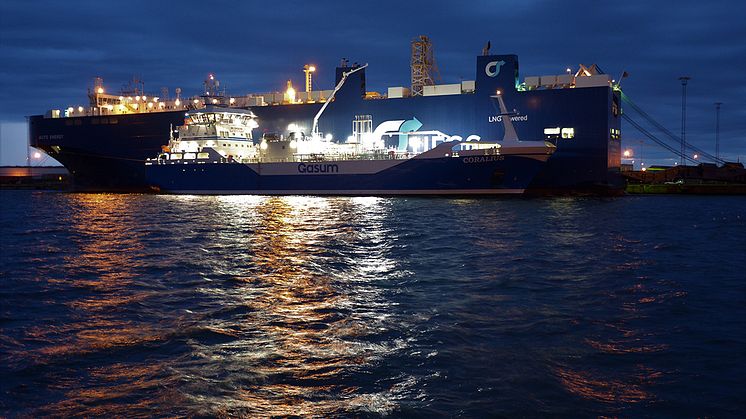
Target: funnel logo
(493, 68)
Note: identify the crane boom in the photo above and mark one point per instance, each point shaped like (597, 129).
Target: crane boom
(315, 128)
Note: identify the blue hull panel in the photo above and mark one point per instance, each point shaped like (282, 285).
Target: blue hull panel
(508, 174)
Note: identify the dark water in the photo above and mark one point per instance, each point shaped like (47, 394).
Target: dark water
(138, 305)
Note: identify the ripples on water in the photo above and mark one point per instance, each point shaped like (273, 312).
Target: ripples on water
(141, 305)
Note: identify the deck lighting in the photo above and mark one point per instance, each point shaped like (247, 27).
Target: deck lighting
(80, 109)
(100, 90)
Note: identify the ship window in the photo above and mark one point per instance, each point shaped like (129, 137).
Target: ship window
(568, 133)
(69, 122)
(552, 131)
(175, 156)
(203, 155)
(78, 122)
(94, 121)
(113, 121)
(189, 155)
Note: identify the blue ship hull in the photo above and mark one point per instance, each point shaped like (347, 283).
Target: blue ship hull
(108, 153)
(483, 175)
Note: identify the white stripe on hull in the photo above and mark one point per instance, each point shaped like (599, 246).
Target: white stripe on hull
(354, 192)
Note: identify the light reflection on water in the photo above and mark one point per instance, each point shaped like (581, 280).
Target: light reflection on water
(279, 306)
(294, 304)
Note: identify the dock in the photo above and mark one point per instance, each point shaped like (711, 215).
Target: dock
(34, 177)
(702, 179)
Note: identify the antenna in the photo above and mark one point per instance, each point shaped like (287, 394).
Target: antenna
(717, 129)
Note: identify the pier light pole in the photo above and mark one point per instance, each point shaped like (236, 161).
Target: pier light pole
(641, 163)
(717, 129)
(684, 81)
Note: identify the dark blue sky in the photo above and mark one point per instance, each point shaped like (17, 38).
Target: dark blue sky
(51, 50)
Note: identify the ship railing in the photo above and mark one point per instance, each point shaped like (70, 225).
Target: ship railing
(321, 157)
(181, 158)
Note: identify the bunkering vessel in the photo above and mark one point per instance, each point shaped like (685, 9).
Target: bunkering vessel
(214, 153)
(105, 145)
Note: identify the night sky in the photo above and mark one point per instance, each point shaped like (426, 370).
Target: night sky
(51, 50)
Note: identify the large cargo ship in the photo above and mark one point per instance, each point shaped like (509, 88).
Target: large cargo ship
(104, 146)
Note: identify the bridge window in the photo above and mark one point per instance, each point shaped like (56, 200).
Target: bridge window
(568, 133)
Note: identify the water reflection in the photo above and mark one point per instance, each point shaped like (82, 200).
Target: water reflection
(97, 285)
(302, 313)
(624, 327)
(262, 306)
